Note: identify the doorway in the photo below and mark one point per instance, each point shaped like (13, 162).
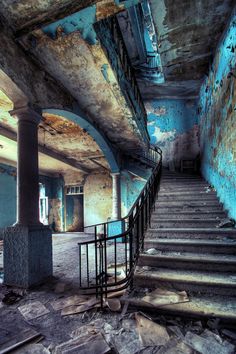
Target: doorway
(74, 211)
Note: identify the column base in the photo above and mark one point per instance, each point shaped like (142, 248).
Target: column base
(27, 256)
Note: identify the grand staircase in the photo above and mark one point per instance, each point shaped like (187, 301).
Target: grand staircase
(186, 250)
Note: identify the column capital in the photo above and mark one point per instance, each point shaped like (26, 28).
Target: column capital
(115, 174)
(26, 113)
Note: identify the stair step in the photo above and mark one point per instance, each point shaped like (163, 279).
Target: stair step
(184, 183)
(192, 245)
(184, 192)
(183, 209)
(206, 306)
(186, 204)
(159, 215)
(169, 223)
(190, 261)
(189, 197)
(183, 233)
(194, 281)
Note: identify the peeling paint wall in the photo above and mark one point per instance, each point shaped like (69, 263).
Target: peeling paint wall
(217, 116)
(97, 198)
(7, 195)
(173, 126)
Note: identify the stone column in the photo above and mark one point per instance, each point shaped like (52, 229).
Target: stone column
(27, 244)
(27, 166)
(116, 196)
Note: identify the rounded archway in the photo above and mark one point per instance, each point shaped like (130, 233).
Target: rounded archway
(92, 131)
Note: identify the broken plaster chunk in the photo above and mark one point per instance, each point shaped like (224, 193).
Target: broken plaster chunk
(151, 333)
(152, 251)
(226, 223)
(113, 304)
(207, 344)
(88, 344)
(75, 309)
(69, 301)
(33, 310)
(33, 349)
(161, 297)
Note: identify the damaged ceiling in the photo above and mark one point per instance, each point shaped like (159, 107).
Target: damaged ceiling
(187, 35)
(63, 145)
(63, 43)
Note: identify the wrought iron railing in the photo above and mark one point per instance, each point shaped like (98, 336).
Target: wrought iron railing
(110, 35)
(107, 261)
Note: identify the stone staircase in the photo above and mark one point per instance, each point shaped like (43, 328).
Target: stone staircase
(185, 250)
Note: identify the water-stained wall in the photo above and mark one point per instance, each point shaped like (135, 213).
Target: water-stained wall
(217, 114)
(97, 198)
(173, 126)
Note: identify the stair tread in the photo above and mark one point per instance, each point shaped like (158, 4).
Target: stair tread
(195, 257)
(192, 242)
(199, 305)
(188, 276)
(166, 219)
(196, 230)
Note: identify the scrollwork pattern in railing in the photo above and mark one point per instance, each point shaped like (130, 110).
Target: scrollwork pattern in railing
(119, 243)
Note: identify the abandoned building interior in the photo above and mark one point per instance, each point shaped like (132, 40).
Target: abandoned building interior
(118, 176)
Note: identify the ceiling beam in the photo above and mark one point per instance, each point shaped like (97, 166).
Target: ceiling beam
(44, 150)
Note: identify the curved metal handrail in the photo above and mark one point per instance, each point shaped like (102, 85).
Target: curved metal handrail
(93, 254)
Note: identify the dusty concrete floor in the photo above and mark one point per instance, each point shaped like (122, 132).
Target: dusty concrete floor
(119, 329)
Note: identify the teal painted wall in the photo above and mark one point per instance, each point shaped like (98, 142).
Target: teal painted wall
(217, 117)
(173, 126)
(133, 180)
(54, 190)
(7, 195)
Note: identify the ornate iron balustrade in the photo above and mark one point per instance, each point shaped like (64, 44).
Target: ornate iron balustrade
(119, 242)
(111, 38)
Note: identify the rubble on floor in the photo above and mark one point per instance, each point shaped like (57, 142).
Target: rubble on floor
(69, 322)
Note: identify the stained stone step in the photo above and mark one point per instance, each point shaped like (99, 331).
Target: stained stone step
(160, 223)
(188, 209)
(188, 280)
(159, 215)
(186, 203)
(182, 189)
(192, 233)
(184, 192)
(181, 197)
(190, 261)
(215, 246)
(186, 183)
(199, 306)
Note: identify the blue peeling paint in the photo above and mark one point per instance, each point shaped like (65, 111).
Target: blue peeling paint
(217, 117)
(176, 116)
(104, 69)
(81, 21)
(79, 119)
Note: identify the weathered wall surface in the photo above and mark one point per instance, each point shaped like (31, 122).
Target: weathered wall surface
(217, 113)
(54, 190)
(7, 195)
(97, 198)
(133, 180)
(173, 126)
